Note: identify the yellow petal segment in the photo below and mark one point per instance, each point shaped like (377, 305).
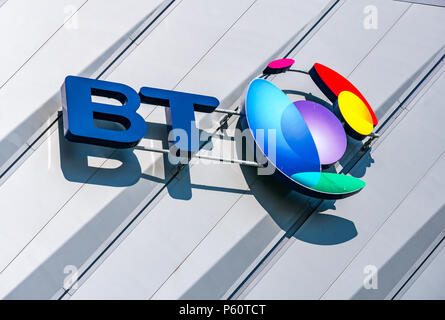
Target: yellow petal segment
(355, 113)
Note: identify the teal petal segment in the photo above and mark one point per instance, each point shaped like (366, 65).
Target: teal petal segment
(327, 182)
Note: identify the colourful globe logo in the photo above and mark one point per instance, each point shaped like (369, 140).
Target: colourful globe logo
(308, 135)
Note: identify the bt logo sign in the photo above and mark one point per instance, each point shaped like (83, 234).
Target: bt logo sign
(306, 135)
(79, 112)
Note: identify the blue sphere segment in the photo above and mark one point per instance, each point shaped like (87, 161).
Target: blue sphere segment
(269, 111)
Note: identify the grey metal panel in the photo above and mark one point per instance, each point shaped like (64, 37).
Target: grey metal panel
(266, 35)
(43, 180)
(431, 283)
(25, 26)
(159, 243)
(439, 3)
(72, 234)
(405, 51)
(342, 42)
(21, 37)
(418, 219)
(82, 50)
(309, 270)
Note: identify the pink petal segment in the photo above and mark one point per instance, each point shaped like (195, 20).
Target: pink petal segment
(281, 63)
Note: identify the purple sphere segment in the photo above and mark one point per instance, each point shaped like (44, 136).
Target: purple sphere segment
(327, 131)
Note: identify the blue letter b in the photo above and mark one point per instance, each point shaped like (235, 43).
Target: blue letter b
(79, 112)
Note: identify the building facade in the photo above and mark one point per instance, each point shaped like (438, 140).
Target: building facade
(80, 221)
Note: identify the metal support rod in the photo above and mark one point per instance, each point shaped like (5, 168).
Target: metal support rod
(241, 162)
(226, 111)
(152, 149)
(299, 71)
(367, 144)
